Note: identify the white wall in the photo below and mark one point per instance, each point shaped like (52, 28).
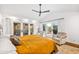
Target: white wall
(0, 19)
(1, 24)
(70, 23)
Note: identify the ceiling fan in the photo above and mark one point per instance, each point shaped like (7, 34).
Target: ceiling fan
(40, 11)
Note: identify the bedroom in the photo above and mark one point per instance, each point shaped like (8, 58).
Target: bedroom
(60, 25)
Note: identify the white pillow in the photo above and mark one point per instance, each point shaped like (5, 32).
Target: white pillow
(6, 45)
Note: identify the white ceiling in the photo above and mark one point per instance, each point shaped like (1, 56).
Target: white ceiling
(25, 10)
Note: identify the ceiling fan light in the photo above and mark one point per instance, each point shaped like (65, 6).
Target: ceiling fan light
(40, 11)
(49, 24)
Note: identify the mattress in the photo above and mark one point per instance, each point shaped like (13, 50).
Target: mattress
(34, 44)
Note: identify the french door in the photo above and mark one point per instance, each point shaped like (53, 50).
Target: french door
(21, 29)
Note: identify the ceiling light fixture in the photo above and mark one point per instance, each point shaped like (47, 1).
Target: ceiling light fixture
(40, 11)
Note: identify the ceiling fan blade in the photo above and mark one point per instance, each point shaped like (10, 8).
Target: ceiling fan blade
(45, 11)
(35, 11)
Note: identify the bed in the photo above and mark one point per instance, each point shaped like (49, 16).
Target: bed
(34, 44)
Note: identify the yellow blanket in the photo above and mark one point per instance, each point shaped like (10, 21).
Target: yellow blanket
(33, 44)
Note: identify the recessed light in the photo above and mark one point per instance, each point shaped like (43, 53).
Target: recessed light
(25, 20)
(49, 24)
(33, 21)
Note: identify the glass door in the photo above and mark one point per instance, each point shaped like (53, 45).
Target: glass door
(17, 28)
(31, 29)
(55, 29)
(25, 29)
(21, 29)
(49, 28)
(44, 27)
